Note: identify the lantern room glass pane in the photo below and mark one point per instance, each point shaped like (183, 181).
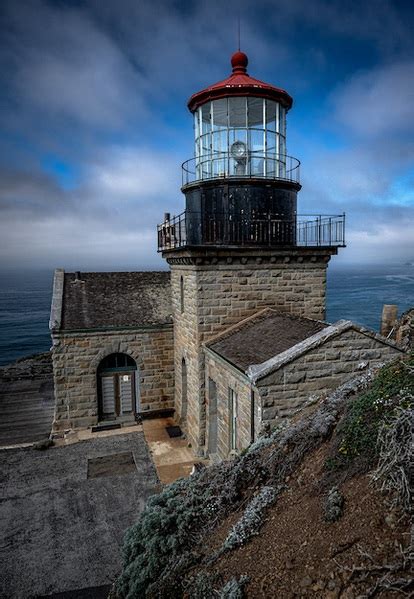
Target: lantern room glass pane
(220, 114)
(282, 121)
(219, 141)
(255, 112)
(206, 118)
(271, 118)
(237, 112)
(271, 142)
(197, 123)
(256, 143)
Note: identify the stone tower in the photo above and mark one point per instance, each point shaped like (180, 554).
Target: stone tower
(239, 245)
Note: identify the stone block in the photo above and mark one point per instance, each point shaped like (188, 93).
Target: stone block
(295, 377)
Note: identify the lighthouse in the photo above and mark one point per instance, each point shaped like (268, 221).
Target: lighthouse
(240, 245)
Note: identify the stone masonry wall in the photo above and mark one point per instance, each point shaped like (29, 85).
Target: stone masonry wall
(76, 357)
(288, 389)
(222, 294)
(187, 346)
(225, 378)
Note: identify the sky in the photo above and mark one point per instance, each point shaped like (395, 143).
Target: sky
(94, 124)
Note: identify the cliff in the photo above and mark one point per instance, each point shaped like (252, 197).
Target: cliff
(320, 509)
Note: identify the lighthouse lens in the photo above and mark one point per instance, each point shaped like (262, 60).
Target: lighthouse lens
(238, 150)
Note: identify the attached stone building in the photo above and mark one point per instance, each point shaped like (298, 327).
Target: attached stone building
(112, 347)
(270, 366)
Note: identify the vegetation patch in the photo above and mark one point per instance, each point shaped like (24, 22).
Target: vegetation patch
(251, 520)
(391, 392)
(334, 505)
(209, 586)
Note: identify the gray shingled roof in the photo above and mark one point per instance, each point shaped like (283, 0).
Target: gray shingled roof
(257, 339)
(116, 299)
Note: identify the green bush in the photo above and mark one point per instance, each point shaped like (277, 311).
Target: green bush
(391, 390)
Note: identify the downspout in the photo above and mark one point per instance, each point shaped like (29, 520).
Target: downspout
(252, 415)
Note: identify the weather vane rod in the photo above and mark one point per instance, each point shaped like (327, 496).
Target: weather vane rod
(239, 30)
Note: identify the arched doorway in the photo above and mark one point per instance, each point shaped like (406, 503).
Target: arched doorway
(117, 387)
(183, 390)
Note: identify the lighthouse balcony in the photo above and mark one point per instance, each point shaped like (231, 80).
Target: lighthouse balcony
(192, 229)
(247, 165)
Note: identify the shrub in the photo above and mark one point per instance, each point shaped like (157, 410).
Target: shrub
(251, 520)
(334, 505)
(234, 589)
(159, 546)
(395, 471)
(391, 390)
(202, 586)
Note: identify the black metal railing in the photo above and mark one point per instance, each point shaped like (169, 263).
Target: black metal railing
(222, 165)
(194, 229)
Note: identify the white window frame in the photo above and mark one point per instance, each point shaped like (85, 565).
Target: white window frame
(233, 409)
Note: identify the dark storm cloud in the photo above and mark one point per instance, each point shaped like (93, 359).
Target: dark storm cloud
(100, 88)
(31, 193)
(62, 66)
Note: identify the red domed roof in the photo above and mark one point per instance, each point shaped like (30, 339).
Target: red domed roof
(239, 84)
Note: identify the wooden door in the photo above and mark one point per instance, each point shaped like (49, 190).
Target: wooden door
(108, 384)
(126, 392)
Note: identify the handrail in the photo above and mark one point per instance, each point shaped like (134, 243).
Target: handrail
(190, 229)
(262, 165)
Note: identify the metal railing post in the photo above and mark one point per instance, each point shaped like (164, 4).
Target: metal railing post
(343, 228)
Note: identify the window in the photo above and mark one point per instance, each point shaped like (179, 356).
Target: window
(117, 362)
(182, 294)
(184, 402)
(212, 417)
(232, 419)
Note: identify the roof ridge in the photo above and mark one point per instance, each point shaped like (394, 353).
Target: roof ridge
(259, 371)
(119, 272)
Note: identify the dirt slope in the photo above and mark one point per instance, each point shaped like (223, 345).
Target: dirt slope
(320, 509)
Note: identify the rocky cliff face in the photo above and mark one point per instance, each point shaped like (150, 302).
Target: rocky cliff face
(38, 366)
(403, 331)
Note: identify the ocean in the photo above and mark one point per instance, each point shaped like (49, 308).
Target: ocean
(356, 293)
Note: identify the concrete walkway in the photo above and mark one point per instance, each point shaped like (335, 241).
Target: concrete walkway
(172, 457)
(64, 511)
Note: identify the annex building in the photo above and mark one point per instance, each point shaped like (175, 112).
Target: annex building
(232, 338)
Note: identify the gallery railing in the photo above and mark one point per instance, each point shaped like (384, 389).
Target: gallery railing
(262, 165)
(191, 229)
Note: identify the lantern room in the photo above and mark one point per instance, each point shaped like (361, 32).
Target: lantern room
(240, 129)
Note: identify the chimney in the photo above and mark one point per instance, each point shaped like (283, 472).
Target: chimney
(77, 276)
(388, 319)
